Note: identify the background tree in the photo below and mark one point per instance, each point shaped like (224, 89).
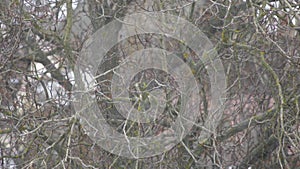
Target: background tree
(257, 40)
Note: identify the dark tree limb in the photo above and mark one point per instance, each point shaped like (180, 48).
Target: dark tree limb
(253, 121)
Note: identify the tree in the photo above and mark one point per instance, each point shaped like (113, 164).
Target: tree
(256, 40)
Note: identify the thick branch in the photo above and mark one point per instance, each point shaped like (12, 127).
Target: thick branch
(41, 57)
(253, 121)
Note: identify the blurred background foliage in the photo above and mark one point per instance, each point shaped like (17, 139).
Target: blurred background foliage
(257, 40)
